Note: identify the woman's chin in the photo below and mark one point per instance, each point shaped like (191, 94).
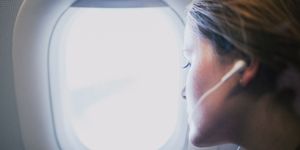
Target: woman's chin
(194, 137)
(198, 138)
(201, 142)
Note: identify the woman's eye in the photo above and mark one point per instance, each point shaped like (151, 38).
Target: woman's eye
(187, 65)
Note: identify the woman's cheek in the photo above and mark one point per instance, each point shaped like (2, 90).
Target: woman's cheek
(189, 94)
(193, 90)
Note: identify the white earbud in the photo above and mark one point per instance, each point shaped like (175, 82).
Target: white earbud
(238, 66)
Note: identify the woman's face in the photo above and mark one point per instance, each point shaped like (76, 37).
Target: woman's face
(210, 119)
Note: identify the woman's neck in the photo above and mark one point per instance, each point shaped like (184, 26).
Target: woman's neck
(270, 126)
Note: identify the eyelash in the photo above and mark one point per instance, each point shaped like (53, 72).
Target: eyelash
(187, 65)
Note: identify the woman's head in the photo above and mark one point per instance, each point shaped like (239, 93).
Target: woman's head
(263, 33)
(266, 29)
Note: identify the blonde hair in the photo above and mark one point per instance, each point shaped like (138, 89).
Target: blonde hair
(266, 29)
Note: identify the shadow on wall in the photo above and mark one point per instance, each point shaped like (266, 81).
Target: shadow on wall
(220, 147)
(10, 135)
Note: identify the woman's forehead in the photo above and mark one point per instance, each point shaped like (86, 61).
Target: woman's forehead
(190, 41)
(190, 33)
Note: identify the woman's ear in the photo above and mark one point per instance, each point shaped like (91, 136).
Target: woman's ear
(249, 72)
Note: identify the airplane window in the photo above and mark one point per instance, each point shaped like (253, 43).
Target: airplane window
(121, 76)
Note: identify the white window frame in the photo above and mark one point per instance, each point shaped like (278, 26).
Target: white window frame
(33, 30)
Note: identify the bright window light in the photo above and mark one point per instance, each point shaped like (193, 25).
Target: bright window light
(122, 76)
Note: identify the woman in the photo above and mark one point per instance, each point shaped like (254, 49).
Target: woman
(257, 105)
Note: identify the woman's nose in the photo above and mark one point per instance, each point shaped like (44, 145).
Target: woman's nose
(183, 93)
